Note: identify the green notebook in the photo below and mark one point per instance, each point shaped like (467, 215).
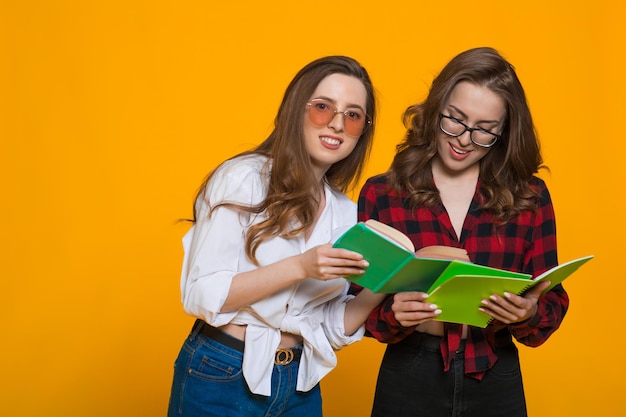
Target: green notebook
(459, 298)
(457, 287)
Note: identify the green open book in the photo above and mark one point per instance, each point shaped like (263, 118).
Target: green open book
(456, 286)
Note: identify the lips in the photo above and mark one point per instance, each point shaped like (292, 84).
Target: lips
(331, 141)
(457, 153)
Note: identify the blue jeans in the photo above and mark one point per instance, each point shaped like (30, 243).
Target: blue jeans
(208, 382)
(412, 383)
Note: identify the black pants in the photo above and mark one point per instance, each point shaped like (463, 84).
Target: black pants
(412, 383)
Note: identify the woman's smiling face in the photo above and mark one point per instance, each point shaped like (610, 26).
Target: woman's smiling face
(475, 106)
(331, 143)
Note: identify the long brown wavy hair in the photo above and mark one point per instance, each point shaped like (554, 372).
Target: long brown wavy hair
(290, 190)
(505, 170)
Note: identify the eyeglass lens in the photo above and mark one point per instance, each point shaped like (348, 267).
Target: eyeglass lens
(453, 127)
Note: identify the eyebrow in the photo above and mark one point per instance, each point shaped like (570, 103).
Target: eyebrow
(349, 106)
(465, 115)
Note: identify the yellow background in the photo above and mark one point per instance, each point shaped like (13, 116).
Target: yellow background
(112, 112)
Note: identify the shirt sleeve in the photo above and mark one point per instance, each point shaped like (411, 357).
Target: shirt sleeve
(334, 313)
(214, 245)
(553, 305)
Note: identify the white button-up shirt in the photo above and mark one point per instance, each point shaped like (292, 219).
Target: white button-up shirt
(215, 252)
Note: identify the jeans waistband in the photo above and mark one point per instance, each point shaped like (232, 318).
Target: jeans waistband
(429, 341)
(219, 336)
(282, 356)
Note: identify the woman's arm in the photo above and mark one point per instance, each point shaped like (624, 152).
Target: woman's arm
(322, 262)
(552, 306)
(359, 309)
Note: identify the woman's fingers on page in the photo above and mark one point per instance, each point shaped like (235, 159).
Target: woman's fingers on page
(508, 308)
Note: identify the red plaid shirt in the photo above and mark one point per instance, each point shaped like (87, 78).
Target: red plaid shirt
(527, 243)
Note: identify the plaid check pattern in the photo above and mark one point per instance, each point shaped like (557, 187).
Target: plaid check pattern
(526, 243)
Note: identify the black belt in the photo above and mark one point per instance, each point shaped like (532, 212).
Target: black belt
(282, 357)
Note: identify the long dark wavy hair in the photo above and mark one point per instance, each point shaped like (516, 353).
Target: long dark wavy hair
(505, 170)
(290, 190)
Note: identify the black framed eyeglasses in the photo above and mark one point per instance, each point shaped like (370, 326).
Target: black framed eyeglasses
(452, 126)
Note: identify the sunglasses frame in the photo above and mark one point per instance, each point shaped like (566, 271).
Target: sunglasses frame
(333, 108)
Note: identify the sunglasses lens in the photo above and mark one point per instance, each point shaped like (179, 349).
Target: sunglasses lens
(321, 113)
(354, 122)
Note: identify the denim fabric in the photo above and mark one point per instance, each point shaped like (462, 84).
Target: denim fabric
(208, 382)
(412, 383)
